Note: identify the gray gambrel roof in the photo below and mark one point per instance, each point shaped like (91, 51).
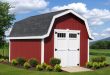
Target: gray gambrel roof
(33, 26)
(39, 26)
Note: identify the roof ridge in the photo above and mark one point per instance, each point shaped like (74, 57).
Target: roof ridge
(44, 14)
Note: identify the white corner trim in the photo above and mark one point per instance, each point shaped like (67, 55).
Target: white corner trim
(88, 50)
(42, 51)
(9, 49)
(51, 25)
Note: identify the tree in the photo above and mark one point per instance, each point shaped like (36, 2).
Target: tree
(6, 20)
(101, 45)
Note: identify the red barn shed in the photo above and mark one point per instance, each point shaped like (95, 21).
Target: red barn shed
(62, 34)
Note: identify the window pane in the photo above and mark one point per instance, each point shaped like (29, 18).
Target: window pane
(72, 35)
(61, 35)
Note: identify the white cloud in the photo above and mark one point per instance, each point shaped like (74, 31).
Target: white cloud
(97, 16)
(96, 22)
(104, 35)
(94, 16)
(98, 36)
(107, 30)
(95, 34)
(79, 7)
(24, 6)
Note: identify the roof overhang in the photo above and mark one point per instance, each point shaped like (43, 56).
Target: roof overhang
(51, 25)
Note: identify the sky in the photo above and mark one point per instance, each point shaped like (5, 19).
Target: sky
(97, 12)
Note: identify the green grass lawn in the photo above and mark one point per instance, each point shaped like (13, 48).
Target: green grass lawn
(10, 70)
(105, 52)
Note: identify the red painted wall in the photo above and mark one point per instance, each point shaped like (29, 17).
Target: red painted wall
(73, 23)
(26, 49)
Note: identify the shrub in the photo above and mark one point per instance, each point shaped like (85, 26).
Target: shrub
(5, 57)
(54, 61)
(21, 61)
(89, 64)
(98, 59)
(39, 67)
(95, 65)
(27, 65)
(33, 62)
(14, 62)
(105, 64)
(44, 65)
(49, 68)
(101, 64)
(6, 61)
(57, 68)
(2, 60)
(102, 58)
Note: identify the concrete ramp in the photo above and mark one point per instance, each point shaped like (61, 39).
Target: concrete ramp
(75, 69)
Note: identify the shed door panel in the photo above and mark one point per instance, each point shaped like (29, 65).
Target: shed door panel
(61, 39)
(61, 52)
(73, 48)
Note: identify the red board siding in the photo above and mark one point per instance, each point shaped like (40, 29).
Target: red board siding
(73, 23)
(26, 49)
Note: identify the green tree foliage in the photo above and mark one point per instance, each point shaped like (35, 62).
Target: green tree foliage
(6, 20)
(101, 45)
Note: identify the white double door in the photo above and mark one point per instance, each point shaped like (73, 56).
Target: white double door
(67, 47)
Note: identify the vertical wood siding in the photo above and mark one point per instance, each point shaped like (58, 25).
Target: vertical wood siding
(26, 49)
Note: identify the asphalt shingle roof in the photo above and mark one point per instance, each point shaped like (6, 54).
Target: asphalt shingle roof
(33, 26)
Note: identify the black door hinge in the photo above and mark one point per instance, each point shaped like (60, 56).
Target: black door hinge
(78, 49)
(55, 49)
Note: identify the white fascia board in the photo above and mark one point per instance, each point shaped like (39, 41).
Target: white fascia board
(28, 37)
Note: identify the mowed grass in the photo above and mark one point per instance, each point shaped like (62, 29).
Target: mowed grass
(10, 70)
(105, 52)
